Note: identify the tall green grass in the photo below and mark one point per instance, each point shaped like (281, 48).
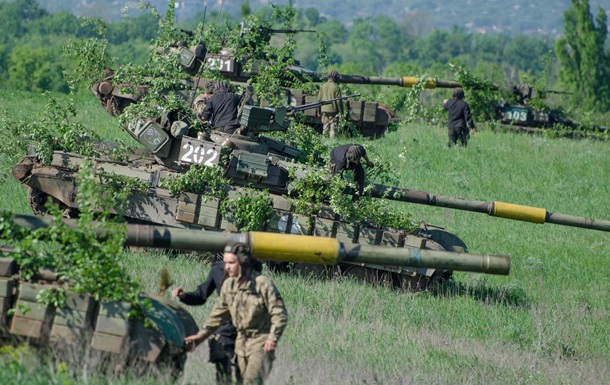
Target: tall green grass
(548, 322)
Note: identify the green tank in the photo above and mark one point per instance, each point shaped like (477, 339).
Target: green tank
(246, 163)
(104, 328)
(156, 339)
(370, 118)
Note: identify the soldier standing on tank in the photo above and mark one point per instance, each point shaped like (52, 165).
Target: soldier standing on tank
(258, 312)
(222, 344)
(347, 157)
(460, 118)
(331, 112)
(221, 109)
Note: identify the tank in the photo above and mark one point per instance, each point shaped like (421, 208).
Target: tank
(370, 118)
(114, 339)
(523, 115)
(119, 341)
(254, 163)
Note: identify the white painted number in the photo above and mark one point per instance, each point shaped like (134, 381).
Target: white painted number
(199, 155)
(516, 115)
(220, 64)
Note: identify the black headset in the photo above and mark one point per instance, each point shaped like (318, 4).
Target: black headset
(242, 251)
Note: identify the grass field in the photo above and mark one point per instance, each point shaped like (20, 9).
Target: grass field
(548, 322)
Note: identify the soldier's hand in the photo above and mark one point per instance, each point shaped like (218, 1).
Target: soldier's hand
(472, 130)
(178, 292)
(191, 342)
(269, 346)
(370, 164)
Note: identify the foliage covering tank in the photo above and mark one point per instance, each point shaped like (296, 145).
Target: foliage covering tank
(106, 328)
(236, 183)
(370, 118)
(155, 339)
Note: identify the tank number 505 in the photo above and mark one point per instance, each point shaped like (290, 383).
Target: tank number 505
(199, 155)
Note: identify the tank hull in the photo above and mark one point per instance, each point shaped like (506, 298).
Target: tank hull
(157, 206)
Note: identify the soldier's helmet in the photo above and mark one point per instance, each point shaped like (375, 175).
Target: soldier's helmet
(242, 251)
(209, 86)
(332, 75)
(355, 152)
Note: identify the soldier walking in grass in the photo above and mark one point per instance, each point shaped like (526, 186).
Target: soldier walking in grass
(331, 112)
(460, 118)
(222, 343)
(258, 312)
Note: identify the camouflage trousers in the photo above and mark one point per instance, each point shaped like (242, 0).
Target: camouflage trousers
(255, 368)
(329, 124)
(254, 364)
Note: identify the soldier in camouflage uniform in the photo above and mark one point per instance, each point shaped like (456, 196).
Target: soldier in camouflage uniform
(331, 112)
(257, 310)
(202, 99)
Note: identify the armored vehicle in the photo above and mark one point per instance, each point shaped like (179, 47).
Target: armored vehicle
(370, 118)
(522, 114)
(156, 339)
(83, 323)
(252, 165)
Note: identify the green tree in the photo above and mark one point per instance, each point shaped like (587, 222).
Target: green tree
(583, 57)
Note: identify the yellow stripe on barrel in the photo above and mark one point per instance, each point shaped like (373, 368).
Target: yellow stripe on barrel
(518, 212)
(410, 81)
(294, 248)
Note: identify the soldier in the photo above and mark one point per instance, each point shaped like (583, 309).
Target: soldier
(460, 118)
(222, 344)
(331, 112)
(254, 304)
(202, 99)
(222, 109)
(347, 157)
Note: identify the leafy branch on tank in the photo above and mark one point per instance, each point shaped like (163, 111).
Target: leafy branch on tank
(250, 209)
(311, 189)
(57, 129)
(208, 181)
(81, 261)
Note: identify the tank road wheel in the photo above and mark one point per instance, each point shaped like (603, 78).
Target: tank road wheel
(37, 200)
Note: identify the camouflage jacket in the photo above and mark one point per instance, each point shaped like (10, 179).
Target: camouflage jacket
(257, 310)
(331, 90)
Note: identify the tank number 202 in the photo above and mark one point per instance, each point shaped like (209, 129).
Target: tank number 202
(198, 155)
(517, 115)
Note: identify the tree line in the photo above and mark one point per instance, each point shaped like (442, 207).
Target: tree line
(31, 48)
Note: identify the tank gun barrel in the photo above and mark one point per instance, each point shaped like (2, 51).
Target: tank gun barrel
(493, 208)
(319, 103)
(405, 81)
(274, 30)
(296, 248)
